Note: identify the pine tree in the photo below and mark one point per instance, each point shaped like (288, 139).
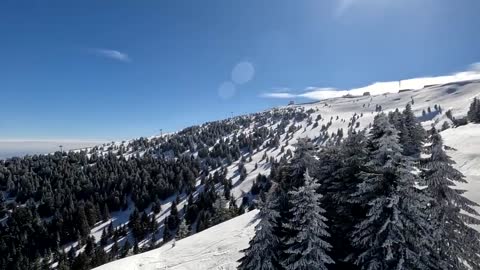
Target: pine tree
(307, 249)
(90, 246)
(100, 257)
(114, 250)
(303, 159)
(182, 231)
(395, 232)
(412, 134)
(110, 229)
(126, 248)
(474, 111)
(104, 238)
(456, 241)
(63, 265)
(153, 241)
(166, 232)
(338, 172)
(262, 254)
(221, 212)
(3, 211)
(156, 206)
(81, 262)
(173, 219)
(44, 263)
(445, 125)
(105, 213)
(83, 223)
(136, 249)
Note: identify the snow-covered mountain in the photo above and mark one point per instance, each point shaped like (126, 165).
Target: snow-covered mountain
(219, 247)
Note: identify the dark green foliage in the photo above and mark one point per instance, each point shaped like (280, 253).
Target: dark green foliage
(104, 238)
(183, 230)
(173, 220)
(141, 224)
(457, 242)
(338, 171)
(75, 192)
(396, 231)
(263, 251)
(114, 250)
(411, 135)
(445, 126)
(136, 249)
(474, 111)
(126, 249)
(306, 249)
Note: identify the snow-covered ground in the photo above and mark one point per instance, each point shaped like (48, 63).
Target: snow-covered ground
(215, 248)
(219, 247)
(466, 141)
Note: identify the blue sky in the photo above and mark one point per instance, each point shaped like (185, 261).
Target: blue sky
(121, 69)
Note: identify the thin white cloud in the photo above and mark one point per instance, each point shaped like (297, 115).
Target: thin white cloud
(278, 95)
(281, 90)
(377, 88)
(475, 67)
(111, 54)
(322, 93)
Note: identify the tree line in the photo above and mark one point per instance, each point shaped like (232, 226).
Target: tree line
(48, 202)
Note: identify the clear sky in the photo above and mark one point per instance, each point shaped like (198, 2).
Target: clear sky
(117, 69)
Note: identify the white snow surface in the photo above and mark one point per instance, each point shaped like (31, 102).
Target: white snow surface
(215, 248)
(466, 141)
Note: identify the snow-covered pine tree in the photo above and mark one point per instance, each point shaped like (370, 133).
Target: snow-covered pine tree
(396, 119)
(262, 254)
(221, 212)
(290, 176)
(456, 242)
(307, 250)
(474, 111)
(339, 170)
(183, 230)
(302, 160)
(395, 233)
(412, 134)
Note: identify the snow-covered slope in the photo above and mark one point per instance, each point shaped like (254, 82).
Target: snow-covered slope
(219, 247)
(215, 248)
(466, 141)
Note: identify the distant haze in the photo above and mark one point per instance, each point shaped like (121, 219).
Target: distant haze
(18, 148)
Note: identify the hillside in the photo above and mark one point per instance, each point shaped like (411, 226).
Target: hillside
(154, 183)
(203, 251)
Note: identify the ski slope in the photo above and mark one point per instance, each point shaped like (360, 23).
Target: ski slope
(219, 247)
(215, 248)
